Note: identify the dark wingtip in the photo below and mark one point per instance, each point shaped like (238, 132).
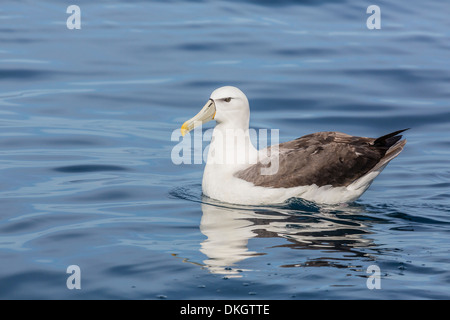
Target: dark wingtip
(389, 139)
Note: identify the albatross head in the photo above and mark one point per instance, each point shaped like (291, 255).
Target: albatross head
(227, 105)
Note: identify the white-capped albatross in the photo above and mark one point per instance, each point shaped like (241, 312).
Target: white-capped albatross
(323, 167)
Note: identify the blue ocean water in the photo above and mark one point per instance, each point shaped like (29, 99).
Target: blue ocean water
(86, 118)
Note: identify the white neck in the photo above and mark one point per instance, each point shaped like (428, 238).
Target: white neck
(231, 147)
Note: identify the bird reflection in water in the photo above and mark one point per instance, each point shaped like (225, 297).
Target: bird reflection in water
(302, 225)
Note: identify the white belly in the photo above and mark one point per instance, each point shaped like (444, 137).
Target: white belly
(222, 185)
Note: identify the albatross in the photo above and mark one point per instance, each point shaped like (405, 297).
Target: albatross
(323, 167)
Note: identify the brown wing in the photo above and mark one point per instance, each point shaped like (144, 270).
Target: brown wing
(323, 158)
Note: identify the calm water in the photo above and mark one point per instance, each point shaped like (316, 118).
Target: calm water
(86, 118)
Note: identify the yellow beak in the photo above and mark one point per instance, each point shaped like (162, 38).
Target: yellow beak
(207, 113)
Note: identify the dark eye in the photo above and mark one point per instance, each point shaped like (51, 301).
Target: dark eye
(227, 99)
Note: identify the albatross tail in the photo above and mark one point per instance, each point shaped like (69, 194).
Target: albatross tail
(394, 145)
(389, 140)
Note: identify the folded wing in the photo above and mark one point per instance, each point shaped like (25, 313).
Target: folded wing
(324, 158)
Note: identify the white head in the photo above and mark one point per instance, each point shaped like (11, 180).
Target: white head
(231, 107)
(227, 105)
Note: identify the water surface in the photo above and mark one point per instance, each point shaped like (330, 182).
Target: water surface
(86, 118)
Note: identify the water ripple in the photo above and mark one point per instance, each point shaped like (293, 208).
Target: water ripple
(89, 168)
